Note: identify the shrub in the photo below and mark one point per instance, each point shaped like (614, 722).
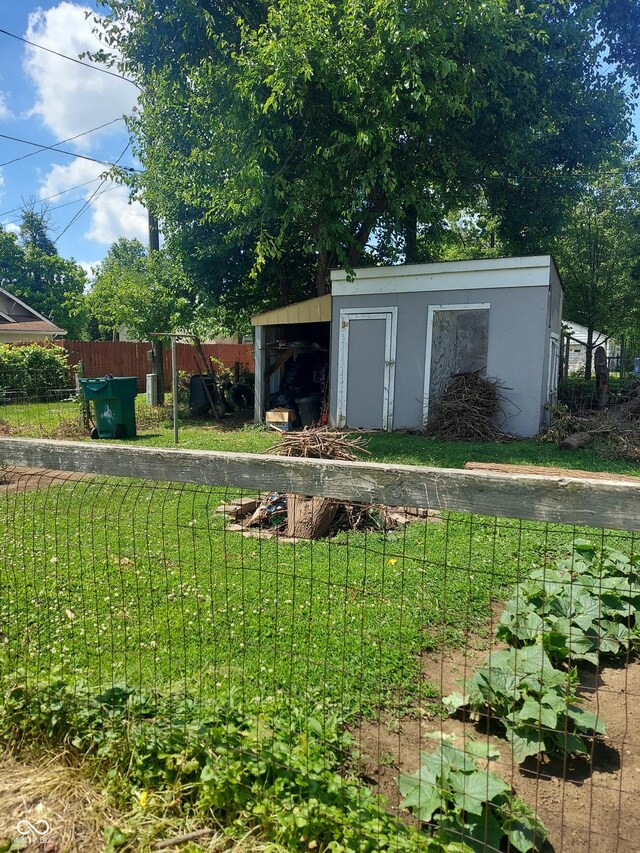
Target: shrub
(33, 370)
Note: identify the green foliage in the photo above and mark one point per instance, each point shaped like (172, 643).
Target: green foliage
(266, 764)
(34, 230)
(597, 252)
(51, 285)
(469, 803)
(536, 703)
(33, 370)
(579, 608)
(278, 139)
(146, 293)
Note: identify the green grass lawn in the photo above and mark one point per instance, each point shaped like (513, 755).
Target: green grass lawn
(107, 582)
(154, 430)
(124, 581)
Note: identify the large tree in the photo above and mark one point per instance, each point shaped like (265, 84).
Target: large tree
(148, 292)
(598, 255)
(281, 139)
(32, 270)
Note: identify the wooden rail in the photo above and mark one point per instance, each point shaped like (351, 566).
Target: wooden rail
(558, 499)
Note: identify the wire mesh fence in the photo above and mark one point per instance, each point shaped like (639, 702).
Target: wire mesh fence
(577, 383)
(433, 677)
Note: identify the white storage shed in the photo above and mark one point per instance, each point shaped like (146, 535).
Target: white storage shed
(392, 337)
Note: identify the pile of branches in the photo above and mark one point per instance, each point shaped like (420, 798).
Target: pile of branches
(624, 443)
(612, 436)
(320, 443)
(564, 423)
(468, 410)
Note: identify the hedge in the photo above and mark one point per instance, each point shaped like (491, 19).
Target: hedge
(33, 370)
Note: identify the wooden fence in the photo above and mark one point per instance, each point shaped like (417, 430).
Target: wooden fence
(127, 358)
(554, 498)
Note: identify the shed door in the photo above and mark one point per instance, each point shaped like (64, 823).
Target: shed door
(366, 367)
(457, 341)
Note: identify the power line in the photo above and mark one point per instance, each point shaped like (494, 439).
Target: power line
(70, 58)
(62, 142)
(69, 153)
(60, 206)
(91, 198)
(55, 195)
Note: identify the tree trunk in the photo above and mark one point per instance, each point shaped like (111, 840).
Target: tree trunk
(411, 235)
(602, 378)
(284, 285)
(157, 362)
(588, 358)
(323, 279)
(309, 518)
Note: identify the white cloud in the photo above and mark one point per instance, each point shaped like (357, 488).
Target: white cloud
(110, 215)
(12, 228)
(5, 113)
(72, 99)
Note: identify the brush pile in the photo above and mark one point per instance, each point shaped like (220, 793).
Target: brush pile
(615, 426)
(320, 444)
(468, 410)
(611, 436)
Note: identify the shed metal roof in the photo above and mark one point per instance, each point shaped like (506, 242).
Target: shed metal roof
(316, 310)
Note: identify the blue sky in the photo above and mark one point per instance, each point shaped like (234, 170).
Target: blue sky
(46, 99)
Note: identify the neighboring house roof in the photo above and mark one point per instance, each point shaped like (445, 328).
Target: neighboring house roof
(581, 333)
(16, 318)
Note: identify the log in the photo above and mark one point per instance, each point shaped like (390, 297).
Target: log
(575, 441)
(309, 518)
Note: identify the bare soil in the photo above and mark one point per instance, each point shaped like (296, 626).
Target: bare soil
(590, 804)
(17, 479)
(548, 471)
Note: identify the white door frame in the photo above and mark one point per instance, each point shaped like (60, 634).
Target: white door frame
(467, 306)
(390, 316)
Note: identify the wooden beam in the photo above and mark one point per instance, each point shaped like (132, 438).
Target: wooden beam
(282, 358)
(563, 500)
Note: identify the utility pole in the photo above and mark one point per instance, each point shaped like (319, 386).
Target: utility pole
(157, 349)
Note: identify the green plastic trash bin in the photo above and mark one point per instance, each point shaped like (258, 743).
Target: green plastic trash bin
(114, 400)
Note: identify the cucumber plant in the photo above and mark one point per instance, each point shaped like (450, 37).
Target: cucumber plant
(469, 804)
(535, 702)
(579, 609)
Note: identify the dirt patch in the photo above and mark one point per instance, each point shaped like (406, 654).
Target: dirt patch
(574, 473)
(17, 479)
(589, 804)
